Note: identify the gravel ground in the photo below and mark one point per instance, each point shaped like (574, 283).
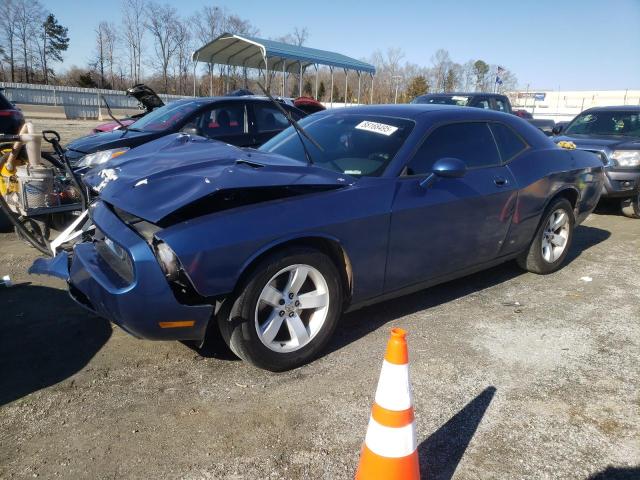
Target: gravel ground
(545, 389)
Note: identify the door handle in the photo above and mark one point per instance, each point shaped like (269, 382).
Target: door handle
(500, 181)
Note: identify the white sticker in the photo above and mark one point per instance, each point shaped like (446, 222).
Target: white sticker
(376, 127)
(353, 172)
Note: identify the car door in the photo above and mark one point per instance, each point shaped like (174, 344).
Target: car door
(455, 223)
(267, 121)
(226, 122)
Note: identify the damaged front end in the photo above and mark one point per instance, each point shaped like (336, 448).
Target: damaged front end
(126, 272)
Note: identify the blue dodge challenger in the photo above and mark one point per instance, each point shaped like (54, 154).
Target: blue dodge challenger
(272, 245)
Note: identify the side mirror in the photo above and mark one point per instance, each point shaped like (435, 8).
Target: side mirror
(190, 129)
(445, 168)
(557, 129)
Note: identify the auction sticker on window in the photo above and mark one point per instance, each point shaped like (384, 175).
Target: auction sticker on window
(376, 127)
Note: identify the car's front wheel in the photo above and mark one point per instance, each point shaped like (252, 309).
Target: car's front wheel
(552, 240)
(285, 311)
(631, 206)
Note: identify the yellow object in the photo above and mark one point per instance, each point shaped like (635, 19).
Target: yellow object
(567, 145)
(8, 181)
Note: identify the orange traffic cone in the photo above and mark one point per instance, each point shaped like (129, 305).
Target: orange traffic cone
(390, 450)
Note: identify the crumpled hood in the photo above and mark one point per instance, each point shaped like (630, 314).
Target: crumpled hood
(601, 142)
(160, 177)
(106, 140)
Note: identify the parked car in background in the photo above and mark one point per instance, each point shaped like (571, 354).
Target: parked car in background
(275, 244)
(240, 121)
(523, 114)
(11, 118)
(613, 134)
(149, 101)
(489, 101)
(308, 105)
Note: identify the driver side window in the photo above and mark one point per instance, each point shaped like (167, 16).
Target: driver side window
(222, 121)
(471, 142)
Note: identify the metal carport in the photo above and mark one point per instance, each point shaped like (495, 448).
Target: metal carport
(264, 55)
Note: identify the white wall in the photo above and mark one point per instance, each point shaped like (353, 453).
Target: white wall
(564, 105)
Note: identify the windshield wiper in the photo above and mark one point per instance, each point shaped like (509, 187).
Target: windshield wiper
(122, 125)
(299, 130)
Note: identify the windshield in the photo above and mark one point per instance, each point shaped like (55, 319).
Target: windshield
(165, 118)
(606, 123)
(358, 145)
(459, 100)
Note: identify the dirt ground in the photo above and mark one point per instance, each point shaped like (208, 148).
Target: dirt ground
(546, 389)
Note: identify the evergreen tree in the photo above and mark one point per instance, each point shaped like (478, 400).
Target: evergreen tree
(417, 86)
(322, 91)
(307, 89)
(54, 42)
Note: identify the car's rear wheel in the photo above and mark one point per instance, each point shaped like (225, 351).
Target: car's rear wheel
(285, 311)
(552, 240)
(631, 206)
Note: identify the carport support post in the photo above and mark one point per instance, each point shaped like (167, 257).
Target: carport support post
(300, 82)
(315, 65)
(371, 101)
(195, 67)
(211, 66)
(284, 74)
(331, 101)
(346, 85)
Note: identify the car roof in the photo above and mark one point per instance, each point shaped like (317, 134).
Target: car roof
(206, 100)
(462, 94)
(618, 108)
(415, 110)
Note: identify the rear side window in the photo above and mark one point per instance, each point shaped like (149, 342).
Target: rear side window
(509, 143)
(269, 118)
(222, 121)
(470, 142)
(501, 105)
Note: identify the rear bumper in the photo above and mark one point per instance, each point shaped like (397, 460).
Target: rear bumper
(138, 306)
(621, 183)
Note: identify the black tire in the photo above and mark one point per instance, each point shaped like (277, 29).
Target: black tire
(238, 326)
(532, 259)
(631, 206)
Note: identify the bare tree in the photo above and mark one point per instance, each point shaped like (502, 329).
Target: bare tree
(101, 51)
(183, 54)
(29, 14)
(160, 22)
(441, 65)
(110, 39)
(9, 26)
(208, 24)
(133, 12)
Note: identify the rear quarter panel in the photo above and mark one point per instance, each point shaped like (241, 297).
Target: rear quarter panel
(541, 175)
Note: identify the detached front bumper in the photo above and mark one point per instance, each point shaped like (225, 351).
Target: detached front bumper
(144, 306)
(621, 183)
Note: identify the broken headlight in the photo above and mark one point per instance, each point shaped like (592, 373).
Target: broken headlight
(168, 261)
(98, 158)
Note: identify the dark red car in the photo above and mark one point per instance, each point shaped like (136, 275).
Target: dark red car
(11, 118)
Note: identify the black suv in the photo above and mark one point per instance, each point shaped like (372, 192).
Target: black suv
(242, 121)
(612, 133)
(490, 101)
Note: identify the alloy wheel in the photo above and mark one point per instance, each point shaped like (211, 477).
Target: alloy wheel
(555, 236)
(292, 308)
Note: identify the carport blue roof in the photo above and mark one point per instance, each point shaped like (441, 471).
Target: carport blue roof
(246, 51)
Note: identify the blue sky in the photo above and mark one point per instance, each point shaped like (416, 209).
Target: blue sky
(566, 44)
